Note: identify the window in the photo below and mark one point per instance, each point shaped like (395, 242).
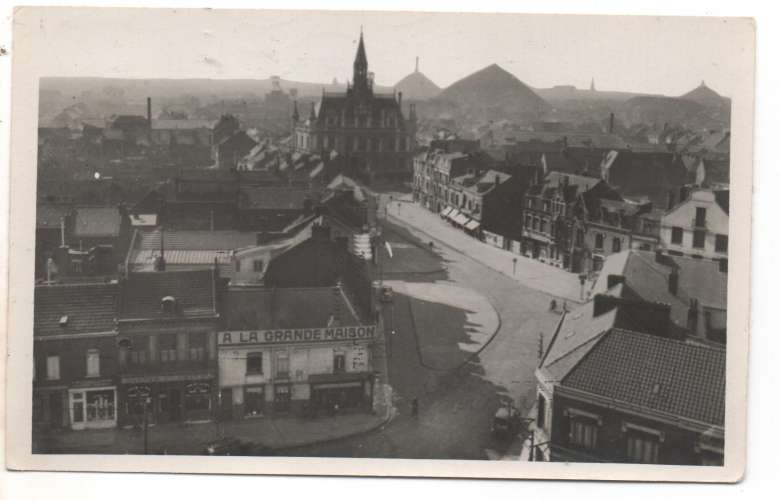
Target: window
(254, 363)
(721, 243)
(529, 203)
(339, 363)
(698, 238)
(599, 241)
(543, 225)
(546, 205)
(536, 223)
(583, 432)
(258, 266)
(197, 346)
(254, 401)
(282, 364)
(100, 405)
(138, 353)
(52, 368)
(616, 244)
(167, 348)
(677, 235)
(93, 363)
(168, 305)
(701, 217)
(642, 447)
(282, 397)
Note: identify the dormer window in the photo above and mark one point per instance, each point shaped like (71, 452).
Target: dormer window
(64, 320)
(168, 305)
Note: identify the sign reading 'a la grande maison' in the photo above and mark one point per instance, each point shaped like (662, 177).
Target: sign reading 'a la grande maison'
(297, 335)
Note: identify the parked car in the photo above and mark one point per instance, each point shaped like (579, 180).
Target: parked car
(233, 446)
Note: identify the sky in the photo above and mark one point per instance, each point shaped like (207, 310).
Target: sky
(669, 55)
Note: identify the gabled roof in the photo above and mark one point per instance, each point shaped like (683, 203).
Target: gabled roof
(665, 375)
(266, 308)
(89, 308)
(194, 292)
(647, 276)
(97, 222)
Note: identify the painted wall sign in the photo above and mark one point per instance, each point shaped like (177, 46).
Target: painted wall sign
(293, 335)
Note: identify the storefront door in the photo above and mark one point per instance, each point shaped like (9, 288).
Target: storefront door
(174, 405)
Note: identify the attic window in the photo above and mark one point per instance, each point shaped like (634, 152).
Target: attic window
(64, 320)
(168, 304)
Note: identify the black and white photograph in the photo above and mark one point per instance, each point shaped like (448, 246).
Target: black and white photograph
(495, 238)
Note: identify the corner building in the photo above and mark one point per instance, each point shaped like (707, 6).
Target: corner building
(368, 129)
(299, 351)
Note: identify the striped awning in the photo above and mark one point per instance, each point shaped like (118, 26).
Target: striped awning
(446, 211)
(453, 214)
(460, 219)
(472, 225)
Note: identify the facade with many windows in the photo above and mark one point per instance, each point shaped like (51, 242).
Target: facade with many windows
(299, 351)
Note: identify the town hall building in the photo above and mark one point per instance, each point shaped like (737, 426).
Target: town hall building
(365, 127)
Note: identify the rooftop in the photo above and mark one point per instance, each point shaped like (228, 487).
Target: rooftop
(75, 308)
(648, 372)
(193, 291)
(266, 308)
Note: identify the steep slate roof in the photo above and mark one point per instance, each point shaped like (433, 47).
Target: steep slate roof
(90, 308)
(649, 279)
(666, 375)
(266, 308)
(97, 221)
(194, 291)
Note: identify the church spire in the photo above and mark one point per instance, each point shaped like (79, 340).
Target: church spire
(360, 67)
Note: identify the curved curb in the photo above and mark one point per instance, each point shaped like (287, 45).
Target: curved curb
(465, 254)
(378, 426)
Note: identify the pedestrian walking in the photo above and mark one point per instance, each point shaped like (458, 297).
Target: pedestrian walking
(553, 305)
(415, 407)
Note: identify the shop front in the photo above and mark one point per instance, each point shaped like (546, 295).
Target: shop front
(92, 405)
(167, 399)
(341, 391)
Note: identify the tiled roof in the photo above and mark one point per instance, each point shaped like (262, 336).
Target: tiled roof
(89, 308)
(97, 221)
(670, 376)
(194, 240)
(266, 308)
(49, 216)
(142, 293)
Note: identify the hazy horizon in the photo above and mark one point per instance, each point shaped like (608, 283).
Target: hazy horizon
(541, 50)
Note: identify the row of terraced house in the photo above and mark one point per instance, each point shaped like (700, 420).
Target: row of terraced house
(570, 211)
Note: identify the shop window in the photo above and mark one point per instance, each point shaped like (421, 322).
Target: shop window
(254, 400)
(197, 396)
(721, 243)
(93, 363)
(167, 348)
(52, 368)
(100, 405)
(254, 363)
(599, 243)
(583, 432)
(698, 238)
(677, 235)
(616, 244)
(642, 447)
(339, 363)
(136, 397)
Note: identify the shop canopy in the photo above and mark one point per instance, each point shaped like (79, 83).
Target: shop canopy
(472, 225)
(446, 211)
(460, 219)
(452, 214)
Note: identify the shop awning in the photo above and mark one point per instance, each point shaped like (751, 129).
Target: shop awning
(461, 219)
(454, 213)
(446, 211)
(472, 225)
